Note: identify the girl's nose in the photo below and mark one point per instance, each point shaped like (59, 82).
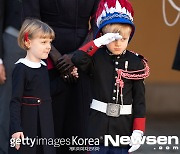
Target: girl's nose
(49, 46)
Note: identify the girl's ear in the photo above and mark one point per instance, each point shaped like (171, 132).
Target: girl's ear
(27, 43)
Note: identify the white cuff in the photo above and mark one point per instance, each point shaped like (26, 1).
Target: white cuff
(1, 62)
(139, 131)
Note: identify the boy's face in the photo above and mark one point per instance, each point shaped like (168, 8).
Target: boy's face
(118, 46)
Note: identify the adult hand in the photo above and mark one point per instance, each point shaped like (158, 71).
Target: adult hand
(107, 38)
(64, 63)
(16, 136)
(136, 138)
(2, 74)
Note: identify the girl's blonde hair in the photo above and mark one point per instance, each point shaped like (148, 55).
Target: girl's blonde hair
(117, 28)
(32, 28)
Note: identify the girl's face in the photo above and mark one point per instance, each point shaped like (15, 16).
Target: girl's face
(39, 48)
(118, 46)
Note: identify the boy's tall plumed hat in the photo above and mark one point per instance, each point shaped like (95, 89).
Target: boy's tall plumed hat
(114, 11)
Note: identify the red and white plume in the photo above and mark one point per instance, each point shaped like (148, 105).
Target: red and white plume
(113, 6)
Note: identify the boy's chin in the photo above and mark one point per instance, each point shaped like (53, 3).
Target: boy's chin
(117, 52)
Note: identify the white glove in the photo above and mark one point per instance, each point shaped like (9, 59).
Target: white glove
(136, 137)
(107, 38)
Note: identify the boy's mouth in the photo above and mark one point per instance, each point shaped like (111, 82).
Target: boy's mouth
(117, 49)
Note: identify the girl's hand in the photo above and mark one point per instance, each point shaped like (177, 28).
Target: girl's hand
(18, 135)
(2, 74)
(75, 72)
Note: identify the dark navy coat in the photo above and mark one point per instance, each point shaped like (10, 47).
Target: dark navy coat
(30, 106)
(102, 69)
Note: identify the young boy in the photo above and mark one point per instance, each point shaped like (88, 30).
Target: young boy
(118, 105)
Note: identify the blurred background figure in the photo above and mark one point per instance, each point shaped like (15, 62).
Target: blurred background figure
(176, 63)
(10, 22)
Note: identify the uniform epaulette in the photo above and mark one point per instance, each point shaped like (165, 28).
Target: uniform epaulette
(140, 56)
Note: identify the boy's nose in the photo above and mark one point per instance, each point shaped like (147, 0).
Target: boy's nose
(118, 42)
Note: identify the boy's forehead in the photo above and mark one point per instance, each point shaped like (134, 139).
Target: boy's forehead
(117, 27)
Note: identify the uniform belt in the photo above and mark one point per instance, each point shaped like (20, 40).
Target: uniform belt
(12, 31)
(109, 108)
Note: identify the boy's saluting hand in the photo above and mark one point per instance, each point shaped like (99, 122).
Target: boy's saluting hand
(107, 38)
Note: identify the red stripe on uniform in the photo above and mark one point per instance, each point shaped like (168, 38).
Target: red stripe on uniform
(89, 48)
(139, 124)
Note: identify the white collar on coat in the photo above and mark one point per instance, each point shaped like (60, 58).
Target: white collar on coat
(30, 63)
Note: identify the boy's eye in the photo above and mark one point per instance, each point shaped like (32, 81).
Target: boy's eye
(123, 39)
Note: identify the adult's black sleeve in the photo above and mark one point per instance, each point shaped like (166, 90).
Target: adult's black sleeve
(93, 17)
(30, 9)
(2, 6)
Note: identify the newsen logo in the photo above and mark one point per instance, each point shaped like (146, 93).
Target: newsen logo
(150, 140)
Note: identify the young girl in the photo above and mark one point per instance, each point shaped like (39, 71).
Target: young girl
(30, 106)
